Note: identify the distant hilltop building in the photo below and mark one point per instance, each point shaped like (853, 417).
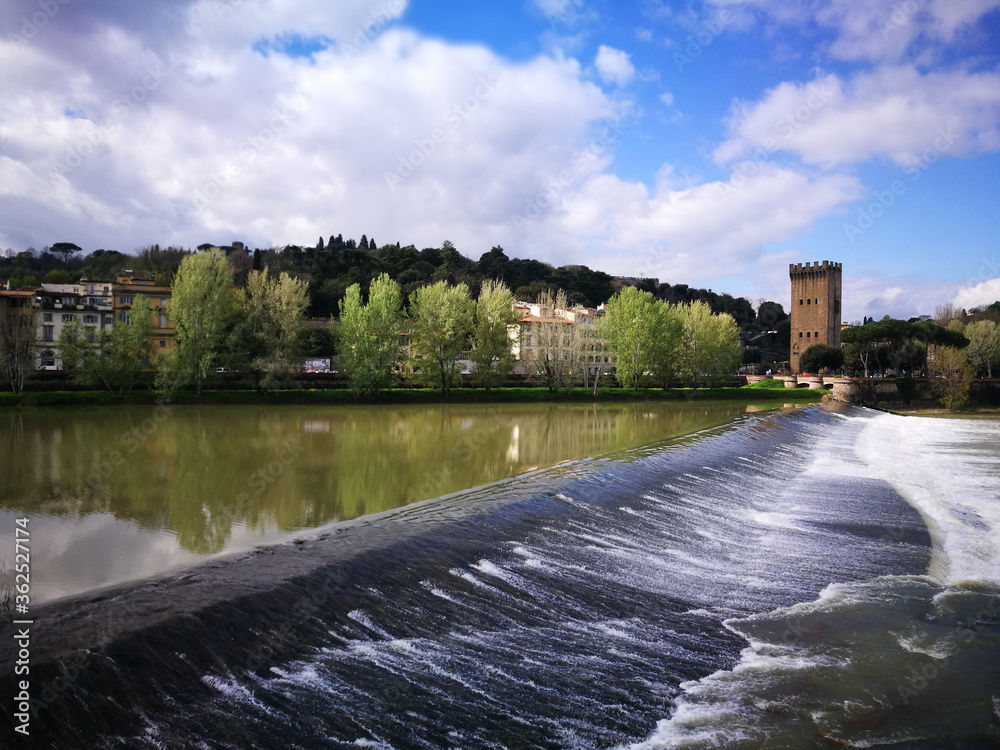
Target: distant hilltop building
(816, 306)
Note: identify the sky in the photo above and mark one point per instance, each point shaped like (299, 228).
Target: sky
(709, 142)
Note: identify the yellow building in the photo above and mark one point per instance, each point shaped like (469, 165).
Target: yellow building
(124, 290)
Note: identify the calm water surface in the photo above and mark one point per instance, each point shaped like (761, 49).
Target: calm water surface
(117, 494)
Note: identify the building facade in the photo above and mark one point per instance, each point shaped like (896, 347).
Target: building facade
(816, 306)
(124, 291)
(569, 335)
(59, 304)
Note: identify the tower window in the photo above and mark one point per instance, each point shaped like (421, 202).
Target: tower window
(800, 302)
(817, 334)
(809, 301)
(817, 300)
(800, 334)
(808, 334)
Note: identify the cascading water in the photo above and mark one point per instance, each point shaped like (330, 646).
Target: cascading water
(763, 584)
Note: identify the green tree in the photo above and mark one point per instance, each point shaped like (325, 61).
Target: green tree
(550, 349)
(58, 276)
(369, 335)
(984, 346)
(272, 318)
(201, 307)
(633, 331)
(820, 357)
(75, 344)
(442, 321)
(953, 377)
(65, 249)
(710, 345)
(111, 358)
(17, 341)
(491, 341)
(667, 356)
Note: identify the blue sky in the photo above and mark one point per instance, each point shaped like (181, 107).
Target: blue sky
(710, 142)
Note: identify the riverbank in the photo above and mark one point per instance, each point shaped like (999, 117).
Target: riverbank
(417, 396)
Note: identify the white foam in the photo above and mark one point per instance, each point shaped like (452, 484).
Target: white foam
(949, 471)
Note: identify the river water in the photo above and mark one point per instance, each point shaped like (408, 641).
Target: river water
(783, 580)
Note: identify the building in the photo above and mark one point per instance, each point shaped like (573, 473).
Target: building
(568, 335)
(816, 306)
(124, 291)
(59, 304)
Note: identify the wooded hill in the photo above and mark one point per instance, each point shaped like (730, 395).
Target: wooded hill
(332, 265)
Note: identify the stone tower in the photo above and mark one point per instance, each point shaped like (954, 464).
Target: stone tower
(816, 296)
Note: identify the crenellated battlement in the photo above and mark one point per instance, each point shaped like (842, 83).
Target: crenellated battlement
(816, 266)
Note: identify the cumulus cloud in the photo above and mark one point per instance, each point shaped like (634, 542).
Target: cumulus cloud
(979, 295)
(691, 233)
(614, 66)
(897, 113)
(876, 30)
(381, 132)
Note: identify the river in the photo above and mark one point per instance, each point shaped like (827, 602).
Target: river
(810, 578)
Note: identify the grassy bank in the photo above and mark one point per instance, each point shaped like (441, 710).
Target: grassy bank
(417, 396)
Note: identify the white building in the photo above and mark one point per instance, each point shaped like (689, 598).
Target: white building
(59, 304)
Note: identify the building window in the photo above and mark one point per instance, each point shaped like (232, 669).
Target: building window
(108, 320)
(90, 319)
(801, 301)
(47, 333)
(67, 317)
(163, 344)
(162, 320)
(800, 334)
(817, 300)
(163, 302)
(123, 317)
(808, 335)
(48, 359)
(809, 301)
(125, 300)
(46, 317)
(817, 334)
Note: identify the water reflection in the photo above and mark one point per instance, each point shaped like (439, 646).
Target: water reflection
(215, 479)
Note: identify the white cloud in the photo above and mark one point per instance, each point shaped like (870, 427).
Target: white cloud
(873, 295)
(877, 30)
(984, 293)
(691, 233)
(614, 66)
(895, 113)
(230, 144)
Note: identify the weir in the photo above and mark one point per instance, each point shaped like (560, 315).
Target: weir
(565, 608)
